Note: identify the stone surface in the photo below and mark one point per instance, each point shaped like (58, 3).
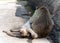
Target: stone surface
(8, 20)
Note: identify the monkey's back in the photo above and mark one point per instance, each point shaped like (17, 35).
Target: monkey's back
(41, 25)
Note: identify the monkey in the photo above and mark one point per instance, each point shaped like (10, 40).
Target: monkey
(41, 24)
(54, 9)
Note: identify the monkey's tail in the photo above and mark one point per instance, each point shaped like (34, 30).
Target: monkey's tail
(10, 34)
(14, 30)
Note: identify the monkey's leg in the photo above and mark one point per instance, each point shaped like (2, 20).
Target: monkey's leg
(33, 34)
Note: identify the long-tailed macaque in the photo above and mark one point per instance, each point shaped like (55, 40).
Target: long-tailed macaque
(54, 9)
(39, 25)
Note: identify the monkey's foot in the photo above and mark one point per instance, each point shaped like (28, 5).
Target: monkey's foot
(34, 35)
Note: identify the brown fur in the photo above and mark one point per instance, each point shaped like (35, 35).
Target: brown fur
(43, 24)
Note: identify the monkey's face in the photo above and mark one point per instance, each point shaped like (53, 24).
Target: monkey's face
(24, 32)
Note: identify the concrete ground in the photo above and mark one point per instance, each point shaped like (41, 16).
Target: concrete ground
(8, 20)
